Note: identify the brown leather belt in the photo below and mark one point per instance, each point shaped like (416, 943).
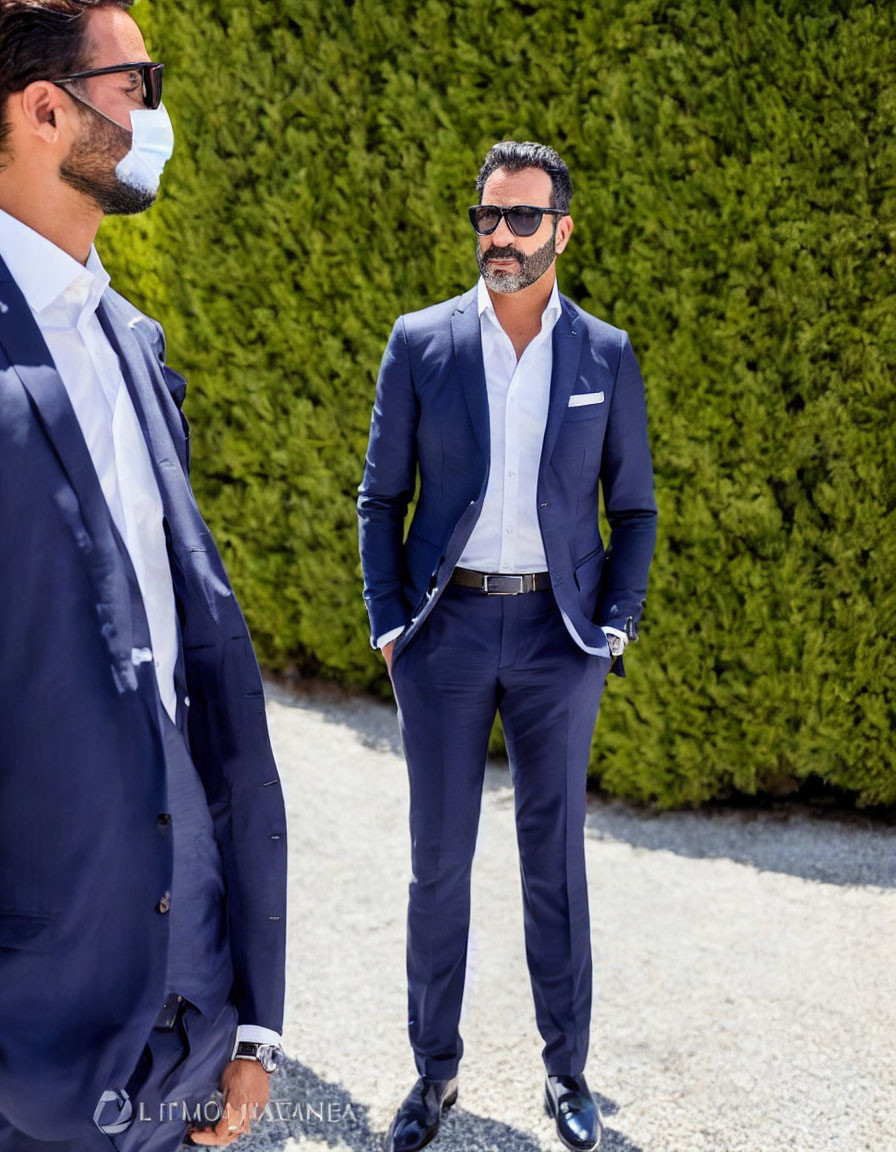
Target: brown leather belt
(501, 583)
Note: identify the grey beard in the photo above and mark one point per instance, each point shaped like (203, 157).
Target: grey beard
(532, 267)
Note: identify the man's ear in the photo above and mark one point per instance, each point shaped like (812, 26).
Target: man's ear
(564, 231)
(41, 106)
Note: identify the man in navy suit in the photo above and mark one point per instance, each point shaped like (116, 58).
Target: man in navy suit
(142, 830)
(512, 408)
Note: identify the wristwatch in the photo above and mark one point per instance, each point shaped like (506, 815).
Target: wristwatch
(616, 645)
(267, 1055)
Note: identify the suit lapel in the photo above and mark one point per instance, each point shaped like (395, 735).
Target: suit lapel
(470, 367)
(28, 354)
(132, 355)
(148, 391)
(567, 343)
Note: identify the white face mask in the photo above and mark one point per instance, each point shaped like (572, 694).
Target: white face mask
(152, 142)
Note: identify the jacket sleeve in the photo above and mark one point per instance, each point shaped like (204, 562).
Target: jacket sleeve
(385, 493)
(229, 742)
(627, 481)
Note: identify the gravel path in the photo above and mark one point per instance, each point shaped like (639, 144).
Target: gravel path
(745, 967)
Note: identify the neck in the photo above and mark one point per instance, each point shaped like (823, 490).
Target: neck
(55, 211)
(524, 308)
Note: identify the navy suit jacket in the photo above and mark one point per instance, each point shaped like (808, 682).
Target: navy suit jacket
(84, 857)
(430, 417)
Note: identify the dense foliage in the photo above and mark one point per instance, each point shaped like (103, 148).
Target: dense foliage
(735, 174)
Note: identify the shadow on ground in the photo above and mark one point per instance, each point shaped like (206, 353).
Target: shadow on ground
(831, 847)
(304, 1107)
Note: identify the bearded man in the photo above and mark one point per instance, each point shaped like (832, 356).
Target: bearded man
(512, 408)
(142, 838)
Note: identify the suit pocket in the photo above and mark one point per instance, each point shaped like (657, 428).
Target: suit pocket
(578, 413)
(584, 399)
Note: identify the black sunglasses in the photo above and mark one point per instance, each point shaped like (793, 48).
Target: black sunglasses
(522, 219)
(150, 76)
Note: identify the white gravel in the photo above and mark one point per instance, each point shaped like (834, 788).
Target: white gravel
(745, 966)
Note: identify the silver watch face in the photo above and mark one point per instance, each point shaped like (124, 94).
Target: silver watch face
(267, 1055)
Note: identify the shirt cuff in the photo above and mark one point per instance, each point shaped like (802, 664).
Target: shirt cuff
(607, 631)
(382, 641)
(253, 1034)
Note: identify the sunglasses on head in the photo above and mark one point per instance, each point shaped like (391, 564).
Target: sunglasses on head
(522, 219)
(150, 77)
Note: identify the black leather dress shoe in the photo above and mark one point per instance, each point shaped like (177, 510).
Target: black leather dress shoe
(417, 1120)
(571, 1104)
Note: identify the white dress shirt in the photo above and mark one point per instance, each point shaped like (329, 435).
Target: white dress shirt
(507, 536)
(64, 295)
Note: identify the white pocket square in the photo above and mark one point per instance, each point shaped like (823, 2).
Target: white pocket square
(586, 398)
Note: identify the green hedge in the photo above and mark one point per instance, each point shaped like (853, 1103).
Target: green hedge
(735, 170)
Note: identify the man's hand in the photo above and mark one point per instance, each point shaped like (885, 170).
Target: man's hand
(387, 654)
(245, 1086)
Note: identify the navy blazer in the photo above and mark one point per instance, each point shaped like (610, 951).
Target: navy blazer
(84, 858)
(430, 417)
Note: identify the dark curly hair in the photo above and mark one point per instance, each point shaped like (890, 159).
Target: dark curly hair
(515, 157)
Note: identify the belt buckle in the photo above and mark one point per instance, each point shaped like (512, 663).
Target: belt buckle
(170, 1013)
(487, 576)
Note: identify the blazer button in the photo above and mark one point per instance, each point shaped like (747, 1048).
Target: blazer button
(164, 905)
(164, 819)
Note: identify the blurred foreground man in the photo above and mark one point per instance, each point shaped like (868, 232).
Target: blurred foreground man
(142, 846)
(513, 407)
